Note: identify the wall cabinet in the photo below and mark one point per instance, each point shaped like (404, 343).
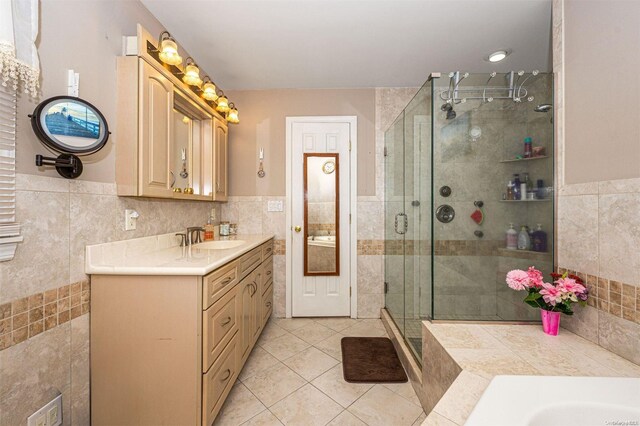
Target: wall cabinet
(170, 143)
(167, 350)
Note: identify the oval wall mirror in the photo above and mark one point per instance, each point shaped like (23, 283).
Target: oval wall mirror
(71, 127)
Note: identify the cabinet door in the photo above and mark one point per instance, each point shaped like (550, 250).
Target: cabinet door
(155, 127)
(246, 314)
(220, 160)
(256, 305)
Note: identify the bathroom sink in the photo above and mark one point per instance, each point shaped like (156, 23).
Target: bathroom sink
(219, 245)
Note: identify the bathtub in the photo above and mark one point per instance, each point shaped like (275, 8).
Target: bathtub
(558, 401)
(322, 240)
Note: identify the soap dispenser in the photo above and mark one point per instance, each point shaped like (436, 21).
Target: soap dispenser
(539, 239)
(512, 238)
(524, 241)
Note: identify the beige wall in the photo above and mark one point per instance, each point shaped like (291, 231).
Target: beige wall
(85, 36)
(602, 89)
(262, 125)
(597, 132)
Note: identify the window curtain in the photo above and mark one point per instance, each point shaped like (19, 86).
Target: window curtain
(19, 64)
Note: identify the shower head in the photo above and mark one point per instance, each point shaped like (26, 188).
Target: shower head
(543, 108)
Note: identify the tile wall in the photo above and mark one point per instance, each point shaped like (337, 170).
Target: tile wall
(44, 293)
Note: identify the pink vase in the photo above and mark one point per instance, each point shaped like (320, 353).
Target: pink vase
(550, 322)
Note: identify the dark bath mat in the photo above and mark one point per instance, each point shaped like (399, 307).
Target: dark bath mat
(371, 360)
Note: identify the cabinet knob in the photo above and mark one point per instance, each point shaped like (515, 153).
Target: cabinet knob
(226, 375)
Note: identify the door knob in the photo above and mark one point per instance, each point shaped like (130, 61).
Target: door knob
(298, 228)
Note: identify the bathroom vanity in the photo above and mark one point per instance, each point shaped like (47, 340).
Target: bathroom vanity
(171, 327)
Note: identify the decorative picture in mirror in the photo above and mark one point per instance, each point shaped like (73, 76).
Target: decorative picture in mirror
(321, 214)
(71, 127)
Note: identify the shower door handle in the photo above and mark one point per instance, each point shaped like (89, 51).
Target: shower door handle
(405, 224)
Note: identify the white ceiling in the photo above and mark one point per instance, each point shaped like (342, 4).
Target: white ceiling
(253, 44)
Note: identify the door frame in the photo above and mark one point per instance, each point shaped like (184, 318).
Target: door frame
(353, 198)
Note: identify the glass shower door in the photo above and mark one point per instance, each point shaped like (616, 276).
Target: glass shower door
(394, 222)
(417, 196)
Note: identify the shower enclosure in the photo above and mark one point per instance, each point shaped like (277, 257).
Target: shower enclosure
(449, 157)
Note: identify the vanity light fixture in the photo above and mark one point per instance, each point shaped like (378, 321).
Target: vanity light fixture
(168, 49)
(223, 103)
(209, 89)
(232, 115)
(192, 73)
(498, 55)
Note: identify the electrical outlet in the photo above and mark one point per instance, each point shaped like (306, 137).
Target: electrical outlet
(49, 415)
(275, 206)
(130, 219)
(213, 215)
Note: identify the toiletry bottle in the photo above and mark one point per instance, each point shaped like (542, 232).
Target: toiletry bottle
(524, 186)
(517, 194)
(527, 148)
(539, 240)
(510, 191)
(540, 189)
(512, 238)
(209, 230)
(524, 241)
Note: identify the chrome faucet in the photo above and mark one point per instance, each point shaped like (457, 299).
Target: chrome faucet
(190, 232)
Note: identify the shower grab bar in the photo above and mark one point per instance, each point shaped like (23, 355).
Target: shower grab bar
(405, 224)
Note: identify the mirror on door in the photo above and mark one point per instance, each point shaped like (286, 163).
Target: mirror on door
(321, 214)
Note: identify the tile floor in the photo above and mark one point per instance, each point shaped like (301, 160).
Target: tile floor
(294, 377)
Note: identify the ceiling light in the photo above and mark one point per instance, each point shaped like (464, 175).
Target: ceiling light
(192, 74)
(232, 116)
(223, 103)
(168, 49)
(498, 56)
(209, 90)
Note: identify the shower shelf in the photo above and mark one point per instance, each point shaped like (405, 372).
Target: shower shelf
(524, 254)
(525, 201)
(517, 160)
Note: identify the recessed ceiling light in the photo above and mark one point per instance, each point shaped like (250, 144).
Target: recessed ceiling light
(498, 56)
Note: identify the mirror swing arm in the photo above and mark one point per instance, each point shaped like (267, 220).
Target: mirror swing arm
(58, 124)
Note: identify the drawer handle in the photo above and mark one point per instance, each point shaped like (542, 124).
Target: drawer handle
(268, 304)
(227, 375)
(226, 321)
(227, 281)
(268, 272)
(269, 249)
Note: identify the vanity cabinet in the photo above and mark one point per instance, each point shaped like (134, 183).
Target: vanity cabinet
(171, 143)
(167, 350)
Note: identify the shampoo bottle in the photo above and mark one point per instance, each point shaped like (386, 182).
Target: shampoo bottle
(524, 242)
(539, 239)
(517, 193)
(512, 238)
(527, 148)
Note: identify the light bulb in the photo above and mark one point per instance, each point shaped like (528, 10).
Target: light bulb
(192, 74)
(232, 116)
(169, 52)
(223, 104)
(209, 91)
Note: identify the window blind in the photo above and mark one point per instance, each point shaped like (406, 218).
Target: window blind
(7, 160)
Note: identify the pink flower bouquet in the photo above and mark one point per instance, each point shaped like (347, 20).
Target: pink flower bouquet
(556, 296)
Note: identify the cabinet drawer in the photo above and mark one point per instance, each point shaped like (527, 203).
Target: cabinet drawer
(267, 304)
(218, 283)
(249, 261)
(219, 325)
(217, 382)
(267, 249)
(267, 275)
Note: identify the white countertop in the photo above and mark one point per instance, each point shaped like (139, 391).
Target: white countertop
(162, 255)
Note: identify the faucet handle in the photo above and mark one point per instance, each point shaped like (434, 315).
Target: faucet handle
(183, 239)
(197, 230)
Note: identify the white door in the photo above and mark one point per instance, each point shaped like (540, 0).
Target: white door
(320, 206)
